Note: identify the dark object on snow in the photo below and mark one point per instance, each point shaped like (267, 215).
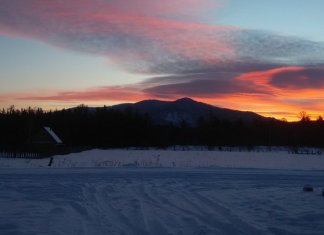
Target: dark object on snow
(308, 188)
(50, 162)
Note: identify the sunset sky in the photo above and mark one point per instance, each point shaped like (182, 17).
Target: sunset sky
(265, 56)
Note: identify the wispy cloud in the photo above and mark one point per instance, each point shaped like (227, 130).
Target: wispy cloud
(202, 85)
(141, 36)
(155, 37)
(111, 93)
(299, 79)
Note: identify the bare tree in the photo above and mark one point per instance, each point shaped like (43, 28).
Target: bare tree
(303, 116)
(284, 120)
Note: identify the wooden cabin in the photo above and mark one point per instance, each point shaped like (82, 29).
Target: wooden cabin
(46, 138)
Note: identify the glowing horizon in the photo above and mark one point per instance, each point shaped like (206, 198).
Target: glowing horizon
(59, 54)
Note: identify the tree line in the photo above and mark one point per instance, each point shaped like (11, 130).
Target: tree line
(109, 128)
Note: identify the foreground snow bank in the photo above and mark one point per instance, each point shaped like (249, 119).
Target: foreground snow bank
(168, 158)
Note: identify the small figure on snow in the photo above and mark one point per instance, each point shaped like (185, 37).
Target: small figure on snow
(308, 188)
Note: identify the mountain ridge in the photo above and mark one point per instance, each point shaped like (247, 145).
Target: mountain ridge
(186, 110)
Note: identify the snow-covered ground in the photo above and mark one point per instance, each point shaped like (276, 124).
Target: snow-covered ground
(142, 201)
(279, 159)
(144, 192)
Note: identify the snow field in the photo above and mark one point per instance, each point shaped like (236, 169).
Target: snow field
(174, 159)
(160, 202)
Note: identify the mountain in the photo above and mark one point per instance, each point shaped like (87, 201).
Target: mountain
(185, 110)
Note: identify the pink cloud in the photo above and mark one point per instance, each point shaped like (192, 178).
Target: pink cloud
(288, 79)
(185, 8)
(113, 93)
(141, 35)
(262, 79)
(267, 74)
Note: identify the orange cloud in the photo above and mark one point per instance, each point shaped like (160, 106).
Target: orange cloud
(292, 89)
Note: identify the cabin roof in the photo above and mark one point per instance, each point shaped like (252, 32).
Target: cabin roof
(53, 135)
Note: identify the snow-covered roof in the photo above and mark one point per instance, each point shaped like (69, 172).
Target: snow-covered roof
(53, 135)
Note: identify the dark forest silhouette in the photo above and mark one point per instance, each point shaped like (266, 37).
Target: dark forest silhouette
(104, 127)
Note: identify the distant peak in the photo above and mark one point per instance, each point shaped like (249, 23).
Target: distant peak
(185, 99)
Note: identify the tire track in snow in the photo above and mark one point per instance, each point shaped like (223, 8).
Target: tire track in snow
(152, 215)
(116, 217)
(240, 225)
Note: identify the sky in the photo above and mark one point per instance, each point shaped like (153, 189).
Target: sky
(265, 56)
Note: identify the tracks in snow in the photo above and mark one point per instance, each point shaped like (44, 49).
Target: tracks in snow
(159, 202)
